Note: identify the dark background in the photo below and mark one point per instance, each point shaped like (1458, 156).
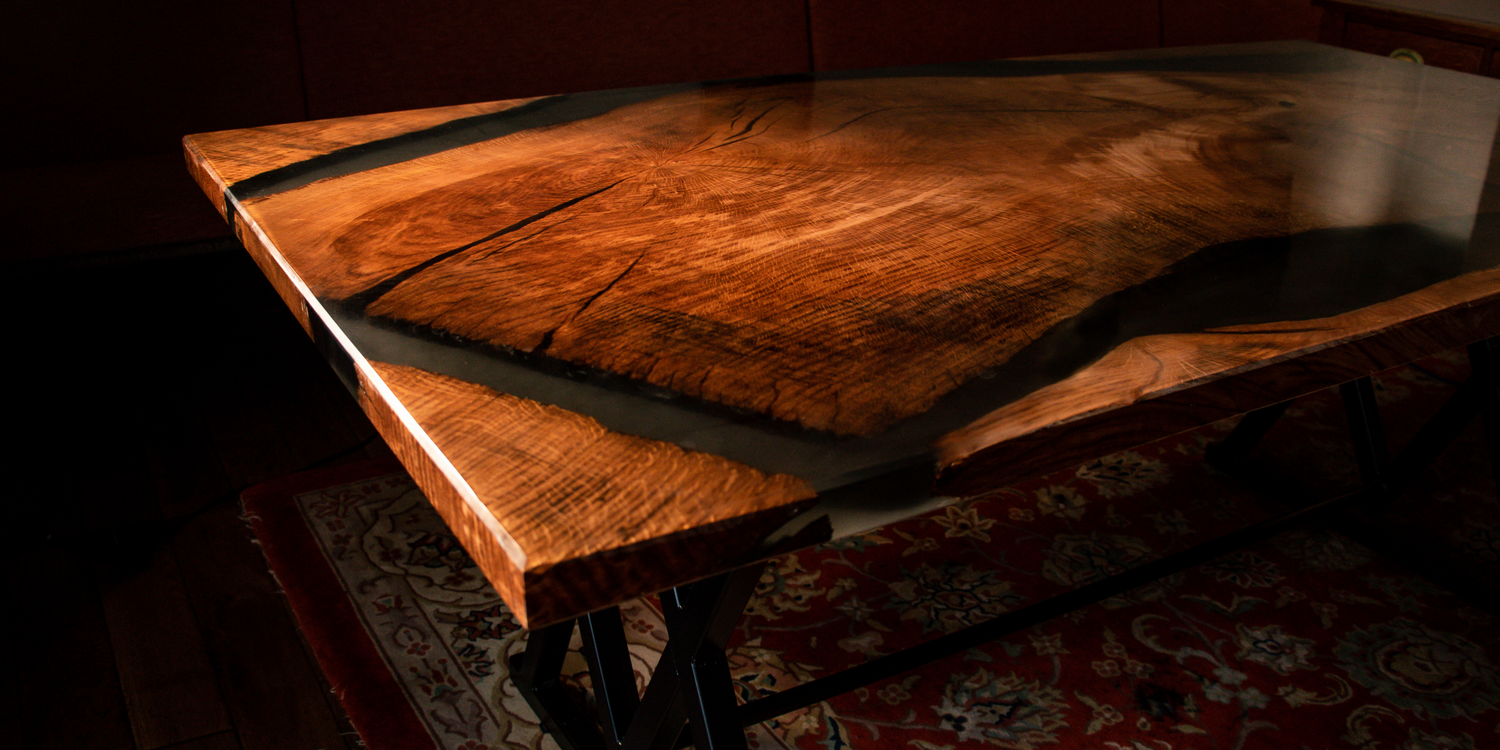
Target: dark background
(155, 374)
(100, 94)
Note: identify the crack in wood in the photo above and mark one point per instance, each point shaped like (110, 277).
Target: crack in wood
(847, 123)
(547, 337)
(521, 240)
(364, 299)
(744, 132)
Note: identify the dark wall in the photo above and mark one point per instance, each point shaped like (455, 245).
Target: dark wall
(1189, 22)
(876, 33)
(384, 55)
(101, 93)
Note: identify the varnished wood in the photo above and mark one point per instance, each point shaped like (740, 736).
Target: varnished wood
(574, 493)
(1159, 385)
(258, 149)
(816, 294)
(840, 258)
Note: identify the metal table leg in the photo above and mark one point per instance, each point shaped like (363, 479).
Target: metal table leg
(692, 687)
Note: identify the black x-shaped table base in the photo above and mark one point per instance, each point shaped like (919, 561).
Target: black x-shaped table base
(692, 688)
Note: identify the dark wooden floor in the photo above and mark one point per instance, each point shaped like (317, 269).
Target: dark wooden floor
(140, 614)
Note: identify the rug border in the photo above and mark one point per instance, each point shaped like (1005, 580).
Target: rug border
(378, 709)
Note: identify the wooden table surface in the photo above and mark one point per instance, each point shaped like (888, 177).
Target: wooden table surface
(629, 339)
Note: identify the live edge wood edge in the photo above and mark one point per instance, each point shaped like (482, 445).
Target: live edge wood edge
(538, 595)
(972, 468)
(546, 593)
(972, 461)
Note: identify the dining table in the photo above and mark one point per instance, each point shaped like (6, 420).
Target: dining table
(643, 340)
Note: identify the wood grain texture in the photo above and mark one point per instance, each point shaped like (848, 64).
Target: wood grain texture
(239, 154)
(839, 263)
(840, 253)
(641, 515)
(566, 490)
(130, 483)
(1160, 385)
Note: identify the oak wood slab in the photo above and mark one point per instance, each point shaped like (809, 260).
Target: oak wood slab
(986, 270)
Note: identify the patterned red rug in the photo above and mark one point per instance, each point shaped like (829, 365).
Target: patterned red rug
(1306, 641)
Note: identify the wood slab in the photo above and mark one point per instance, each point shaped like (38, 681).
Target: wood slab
(944, 269)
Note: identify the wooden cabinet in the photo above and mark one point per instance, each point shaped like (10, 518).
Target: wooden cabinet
(1455, 34)
(1187, 23)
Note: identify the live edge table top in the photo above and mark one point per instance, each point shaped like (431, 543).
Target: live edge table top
(628, 339)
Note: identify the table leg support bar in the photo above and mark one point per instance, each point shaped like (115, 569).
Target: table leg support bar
(1484, 358)
(703, 614)
(659, 722)
(1478, 395)
(608, 657)
(1367, 434)
(1224, 454)
(692, 686)
(537, 673)
(1440, 431)
(1002, 625)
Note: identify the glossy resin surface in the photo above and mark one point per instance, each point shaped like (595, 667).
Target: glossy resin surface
(725, 319)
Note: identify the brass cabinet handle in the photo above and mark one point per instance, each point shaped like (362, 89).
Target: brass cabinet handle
(1407, 54)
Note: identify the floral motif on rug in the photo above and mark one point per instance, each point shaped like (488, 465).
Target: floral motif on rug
(1305, 641)
(441, 628)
